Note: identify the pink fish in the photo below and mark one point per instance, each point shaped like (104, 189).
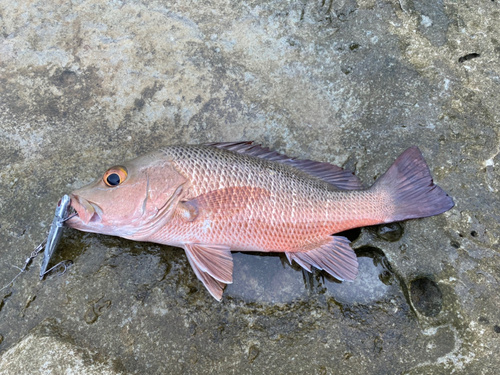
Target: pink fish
(213, 199)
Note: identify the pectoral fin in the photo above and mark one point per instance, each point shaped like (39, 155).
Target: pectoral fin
(213, 265)
(334, 255)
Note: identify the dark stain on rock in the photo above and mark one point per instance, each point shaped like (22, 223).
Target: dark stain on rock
(139, 103)
(378, 344)
(343, 14)
(27, 305)
(118, 366)
(354, 46)
(496, 328)
(95, 310)
(29, 301)
(346, 70)
(68, 78)
(390, 232)
(253, 353)
(497, 46)
(208, 116)
(149, 92)
(90, 315)
(77, 91)
(426, 296)
(483, 320)
(5, 298)
(142, 294)
(468, 57)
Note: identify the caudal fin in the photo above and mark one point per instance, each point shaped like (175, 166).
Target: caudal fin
(408, 184)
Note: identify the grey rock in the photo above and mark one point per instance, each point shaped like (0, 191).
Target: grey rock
(47, 350)
(86, 84)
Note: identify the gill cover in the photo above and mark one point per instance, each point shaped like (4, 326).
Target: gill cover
(163, 185)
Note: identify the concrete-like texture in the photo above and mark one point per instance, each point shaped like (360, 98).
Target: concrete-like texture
(46, 350)
(86, 84)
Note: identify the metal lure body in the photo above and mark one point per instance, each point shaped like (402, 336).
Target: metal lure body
(61, 215)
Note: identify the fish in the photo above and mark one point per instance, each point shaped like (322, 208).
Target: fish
(56, 229)
(239, 196)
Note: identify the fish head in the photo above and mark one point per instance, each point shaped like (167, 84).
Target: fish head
(130, 200)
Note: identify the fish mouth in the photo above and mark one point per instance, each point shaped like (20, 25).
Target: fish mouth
(86, 212)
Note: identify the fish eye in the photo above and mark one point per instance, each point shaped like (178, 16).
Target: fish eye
(114, 176)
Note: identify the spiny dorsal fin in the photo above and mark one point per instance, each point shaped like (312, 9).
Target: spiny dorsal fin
(334, 175)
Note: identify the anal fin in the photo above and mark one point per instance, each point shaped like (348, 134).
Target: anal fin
(212, 264)
(334, 255)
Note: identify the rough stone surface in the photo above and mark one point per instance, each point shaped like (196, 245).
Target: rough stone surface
(47, 350)
(86, 84)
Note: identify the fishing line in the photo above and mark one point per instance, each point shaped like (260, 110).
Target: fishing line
(58, 221)
(33, 255)
(28, 260)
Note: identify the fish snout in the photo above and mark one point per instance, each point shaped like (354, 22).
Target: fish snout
(87, 212)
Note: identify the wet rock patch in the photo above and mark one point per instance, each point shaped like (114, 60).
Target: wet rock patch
(390, 232)
(372, 284)
(426, 296)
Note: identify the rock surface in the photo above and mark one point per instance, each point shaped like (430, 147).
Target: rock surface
(86, 84)
(46, 350)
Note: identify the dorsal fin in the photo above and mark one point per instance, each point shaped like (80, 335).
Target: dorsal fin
(336, 176)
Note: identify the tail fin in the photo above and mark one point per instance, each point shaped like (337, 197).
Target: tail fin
(408, 184)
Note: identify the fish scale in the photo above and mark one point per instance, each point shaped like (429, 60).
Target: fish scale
(316, 211)
(212, 199)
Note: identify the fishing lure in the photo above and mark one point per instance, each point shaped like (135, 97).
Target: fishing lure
(56, 229)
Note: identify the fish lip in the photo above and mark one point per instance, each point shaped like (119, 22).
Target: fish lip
(87, 212)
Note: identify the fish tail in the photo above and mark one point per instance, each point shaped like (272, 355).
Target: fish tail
(408, 185)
